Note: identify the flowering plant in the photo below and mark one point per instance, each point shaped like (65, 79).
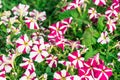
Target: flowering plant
(60, 40)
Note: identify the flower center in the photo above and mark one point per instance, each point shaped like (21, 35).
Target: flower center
(58, 29)
(63, 78)
(25, 43)
(39, 51)
(28, 77)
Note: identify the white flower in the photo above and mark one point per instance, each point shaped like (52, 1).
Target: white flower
(103, 38)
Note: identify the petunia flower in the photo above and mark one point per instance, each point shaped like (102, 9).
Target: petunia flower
(118, 56)
(23, 44)
(104, 39)
(111, 25)
(93, 15)
(38, 15)
(4, 64)
(38, 53)
(2, 75)
(52, 61)
(31, 23)
(100, 2)
(76, 59)
(113, 10)
(102, 72)
(61, 75)
(29, 75)
(84, 74)
(20, 10)
(27, 64)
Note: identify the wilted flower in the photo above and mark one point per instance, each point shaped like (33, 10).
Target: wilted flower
(23, 44)
(103, 38)
(76, 59)
(52, 61)
(100, 2)
(38, 15)
(61, 75)
(20, 10)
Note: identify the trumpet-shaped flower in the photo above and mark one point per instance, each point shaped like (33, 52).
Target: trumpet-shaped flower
(31, 23)
(100, 2)
(38, 15)
(23, 44)
(76, 59)
(20, 10)
(2, 75)
(27, 64)
(61, 75)
(52, 61)
(38, 53)
(103, 38)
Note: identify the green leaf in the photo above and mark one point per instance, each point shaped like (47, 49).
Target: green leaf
(101, 25)
(48, 70)
(89, 36)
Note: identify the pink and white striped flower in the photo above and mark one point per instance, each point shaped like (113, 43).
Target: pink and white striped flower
(93, 15)
(59, 28)
(76, 59)
(61, 75)
(23, 44)
(38, 53)
(2, 75)
(84, 74)
(20, 10)
(104, 39)
(67, 21)
(118, 56)
(27, 64)
(74, 4)
(102, 72)
(111, 25)
(31, 23)
(100, 2)
(65, 63)
(5, 65)
(52, 61)
(38, 15)
(29, 75)
(113, 10)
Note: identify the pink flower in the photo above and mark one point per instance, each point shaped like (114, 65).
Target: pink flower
(38, 53)
(102, 72)
(31, 23)
(76, 59)
(61, 75)
(20, 10)
(118, 56)
(5, 65)
(111, 25)
(27, 64)
(23, 44)
(2, 75)
(93, 15)
(74, 4)
(29, 75)
(38, 15)
(113, 10)
(73, 44)
(59, 28)
(100, 2)
(84, 74)
(67, 21)
(52, 61)
(104, 39)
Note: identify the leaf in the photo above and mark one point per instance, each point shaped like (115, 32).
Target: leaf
(89, 36)
(101, 23)
(48, 70)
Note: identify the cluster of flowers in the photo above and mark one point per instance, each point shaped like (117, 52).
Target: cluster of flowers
(92, 69)
(39, 50)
